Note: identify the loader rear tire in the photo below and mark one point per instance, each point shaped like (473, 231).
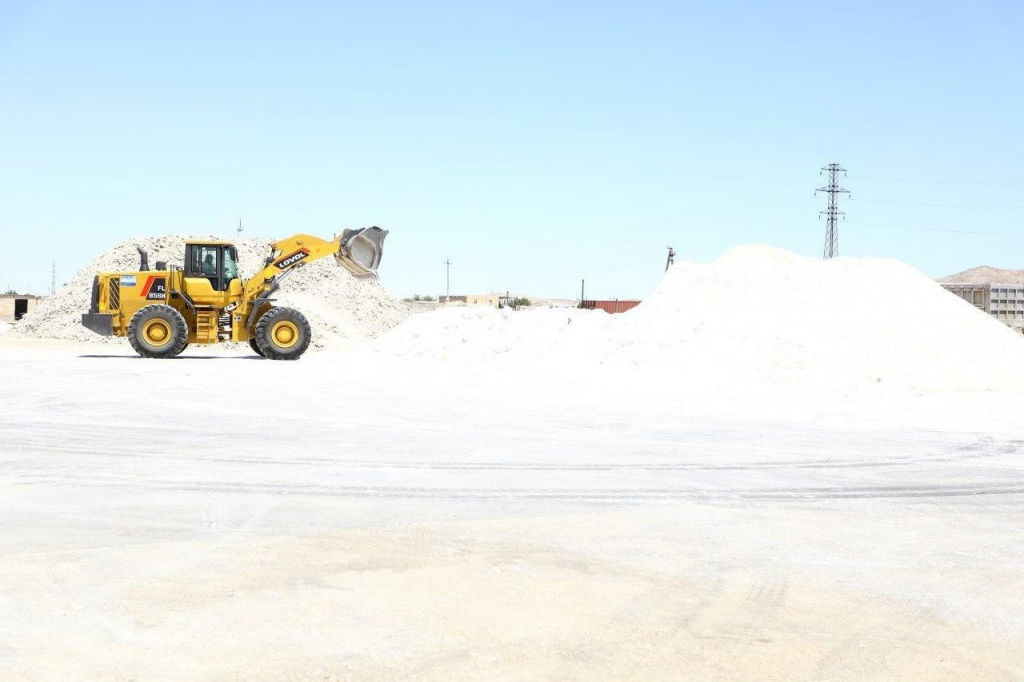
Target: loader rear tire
(282, 334)
(255, 347)
(158, 331)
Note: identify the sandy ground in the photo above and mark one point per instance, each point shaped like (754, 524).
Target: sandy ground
(224, 517)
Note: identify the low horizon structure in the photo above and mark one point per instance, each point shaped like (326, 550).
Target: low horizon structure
(15, 306)
(1005, 302)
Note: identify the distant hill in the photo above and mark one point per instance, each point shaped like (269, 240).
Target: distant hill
(985, 274)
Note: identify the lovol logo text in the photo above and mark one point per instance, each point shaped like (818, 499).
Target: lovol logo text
(291, 260)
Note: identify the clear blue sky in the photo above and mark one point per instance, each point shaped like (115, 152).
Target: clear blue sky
(533, 143)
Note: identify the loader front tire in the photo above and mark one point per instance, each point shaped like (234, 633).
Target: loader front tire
(158, 331)
(282, 334)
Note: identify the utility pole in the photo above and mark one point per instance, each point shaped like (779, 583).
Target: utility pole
(583, 285)
(53, 278)
(832, 212)
(447, 279)
(239, 230)
(671, 258)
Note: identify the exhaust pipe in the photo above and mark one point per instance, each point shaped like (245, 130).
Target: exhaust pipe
(361, 250)
(144, 258)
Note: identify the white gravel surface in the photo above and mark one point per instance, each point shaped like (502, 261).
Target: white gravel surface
(393, 520)
(342, 310)
(675, 492)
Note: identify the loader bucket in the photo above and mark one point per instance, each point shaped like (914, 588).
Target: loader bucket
(360, 251)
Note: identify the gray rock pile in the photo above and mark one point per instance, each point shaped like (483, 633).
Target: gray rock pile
(985, 274)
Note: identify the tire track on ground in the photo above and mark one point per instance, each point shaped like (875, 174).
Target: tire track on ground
(582, 494)
(967, 452)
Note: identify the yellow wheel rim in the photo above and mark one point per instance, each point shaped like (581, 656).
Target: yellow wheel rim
(157, 332)
(285, 334)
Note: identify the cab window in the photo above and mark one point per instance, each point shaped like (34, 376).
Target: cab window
(230, 263)
(204, 261)
(215, 262)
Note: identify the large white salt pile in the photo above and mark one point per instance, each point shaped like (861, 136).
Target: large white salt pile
(342, 310)
(756, 315)
(770, 315)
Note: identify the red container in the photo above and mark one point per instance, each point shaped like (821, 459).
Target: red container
(611, 307)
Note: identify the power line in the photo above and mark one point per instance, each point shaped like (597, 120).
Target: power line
(481, 262)
(937, 229)
(832, 212)
(624, 236)
(663, 229)
(928, 205)
(940, 182)
(733, 203)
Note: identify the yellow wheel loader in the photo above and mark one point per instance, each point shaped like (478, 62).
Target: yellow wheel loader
(164, 310)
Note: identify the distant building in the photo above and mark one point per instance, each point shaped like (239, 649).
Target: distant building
(499, 299)
(1000, 293)
(496, 299)
(1005, 302)
(15, 306)
(493, 299)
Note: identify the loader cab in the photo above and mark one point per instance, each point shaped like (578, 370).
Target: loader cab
(216, 262)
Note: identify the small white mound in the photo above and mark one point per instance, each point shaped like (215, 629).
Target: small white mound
(757, 315)
(5, 327)
(342, 311)
(481, 334)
